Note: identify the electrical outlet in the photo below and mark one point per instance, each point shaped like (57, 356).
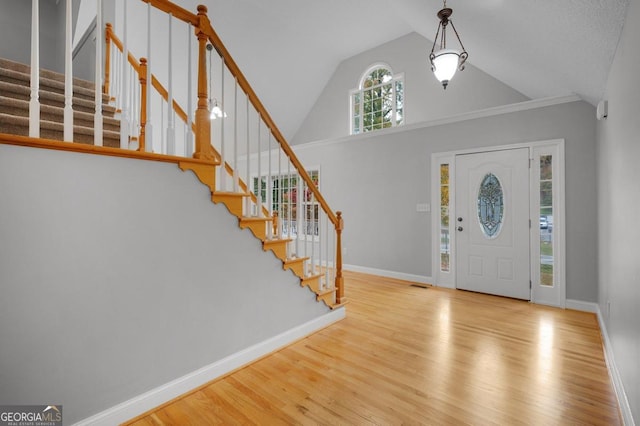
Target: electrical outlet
(423, 207)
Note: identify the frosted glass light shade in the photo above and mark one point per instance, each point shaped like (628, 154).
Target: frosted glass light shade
(445, 63)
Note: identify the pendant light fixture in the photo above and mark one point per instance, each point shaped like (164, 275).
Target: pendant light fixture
(446, 61)
(215, 111)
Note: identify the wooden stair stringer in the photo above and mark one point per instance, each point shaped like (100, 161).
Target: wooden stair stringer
(277, 246)
(257, 225)
(232, 200)
(206, 173)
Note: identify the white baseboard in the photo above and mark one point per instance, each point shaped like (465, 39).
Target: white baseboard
(389, 274)
(158, 396)
(623, 402)
(579, 305)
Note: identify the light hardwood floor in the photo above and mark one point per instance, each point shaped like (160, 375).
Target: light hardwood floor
(408, 355)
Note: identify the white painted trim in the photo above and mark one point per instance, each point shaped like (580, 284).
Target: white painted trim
(614, 374)
(440, 278)
(473, 115)
(549, 295)
(155, 397)
(579, 305)
(423, 279)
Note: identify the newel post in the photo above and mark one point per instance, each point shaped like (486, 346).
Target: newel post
(107, 59)
(339, 279)
(203, 149)
(142, 74)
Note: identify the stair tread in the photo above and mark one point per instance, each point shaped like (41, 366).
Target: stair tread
(276, 241)
(255, 219)
(231, 194)
(325, 291)
(23, 72)
(51, 109)
(311, 277)
(52, 125)
(47, 96)
(295, 260)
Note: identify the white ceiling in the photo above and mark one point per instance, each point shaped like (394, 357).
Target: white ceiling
(541, 48)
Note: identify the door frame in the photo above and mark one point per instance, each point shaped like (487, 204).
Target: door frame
(554, 295)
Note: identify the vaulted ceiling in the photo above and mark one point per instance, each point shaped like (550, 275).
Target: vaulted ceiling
(541, 48)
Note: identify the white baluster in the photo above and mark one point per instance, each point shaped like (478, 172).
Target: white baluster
(280, 194)
(97, 117)
(248, 181)
(305, 207)
(269, 190)
(163, 138)
(247, 211)
(313, 235)
(171, 131)
(189, 143)
(34, 102)
(223, 152)
(236, 176)
(259, 194)
(299, 214)
(289, 207)
(68, 74)
(148, 129)
(326, 258)
(116, 69)
(124, 81)
(134, 88)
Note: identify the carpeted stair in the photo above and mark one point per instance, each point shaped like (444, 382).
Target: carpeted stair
(14, 106)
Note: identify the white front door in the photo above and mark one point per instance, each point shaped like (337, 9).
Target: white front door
(491, 222)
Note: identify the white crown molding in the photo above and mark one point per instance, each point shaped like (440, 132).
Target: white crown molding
(473, 115)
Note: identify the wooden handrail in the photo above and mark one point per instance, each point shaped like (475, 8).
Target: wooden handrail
(204, 31)
(205, 26)
(162, 91)
(202, 23)
(114, 38)
(175, 10)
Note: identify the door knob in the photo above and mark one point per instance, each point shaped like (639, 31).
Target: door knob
(460, 228)
(459, 219)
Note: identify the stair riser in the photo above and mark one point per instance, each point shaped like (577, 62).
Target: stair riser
(56, 100)
(58, 116)
(57, 135)
(85, 94)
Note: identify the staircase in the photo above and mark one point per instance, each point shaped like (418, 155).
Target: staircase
(14, 106)
(14, 119)
(313, 280)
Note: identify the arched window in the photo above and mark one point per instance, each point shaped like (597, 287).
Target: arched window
(378, 102)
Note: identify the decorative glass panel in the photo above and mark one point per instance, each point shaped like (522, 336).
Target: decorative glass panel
(490, 205)
(546, 220)
(445, 248)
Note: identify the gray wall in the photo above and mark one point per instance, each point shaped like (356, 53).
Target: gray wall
(15, 31)
(377, 180)
(618, 207)
(119, 275)
(470, 90)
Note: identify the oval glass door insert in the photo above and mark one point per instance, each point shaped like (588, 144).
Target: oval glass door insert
(490, 205)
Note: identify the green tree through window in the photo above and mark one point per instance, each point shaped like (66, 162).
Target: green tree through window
(379, 101)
